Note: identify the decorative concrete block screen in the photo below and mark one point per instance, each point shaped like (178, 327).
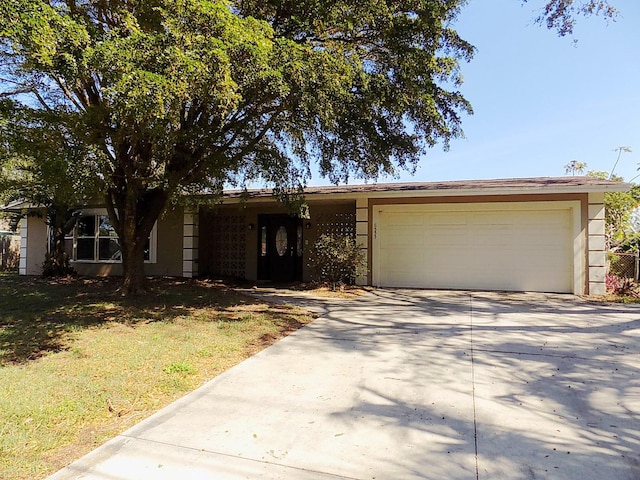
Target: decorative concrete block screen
(226, 241)
(336, 223)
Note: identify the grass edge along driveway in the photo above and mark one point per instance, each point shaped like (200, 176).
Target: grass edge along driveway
(80, 364)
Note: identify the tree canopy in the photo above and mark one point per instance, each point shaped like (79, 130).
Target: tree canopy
(188, 95)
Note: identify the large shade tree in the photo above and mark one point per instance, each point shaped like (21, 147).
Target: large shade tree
(178, 96)
(186, 95)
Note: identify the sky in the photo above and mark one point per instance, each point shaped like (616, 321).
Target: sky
(539, 100)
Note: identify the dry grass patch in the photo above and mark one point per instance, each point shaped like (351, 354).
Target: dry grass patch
(613, 298)
(324, 290)
(79, 364)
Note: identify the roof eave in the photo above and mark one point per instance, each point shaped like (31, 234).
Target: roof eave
(266, 195)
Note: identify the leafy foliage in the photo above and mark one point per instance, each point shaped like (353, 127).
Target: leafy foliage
(9, 258)
(630, 244)
(620, 286)
(337, 259)
(44, 165)
(159, 97)
(560, 15)
(574, 166)
(619, 207)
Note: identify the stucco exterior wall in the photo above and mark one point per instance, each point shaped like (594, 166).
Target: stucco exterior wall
(596, 245)
(33, 245)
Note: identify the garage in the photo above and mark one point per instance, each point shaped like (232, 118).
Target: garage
(493, 246)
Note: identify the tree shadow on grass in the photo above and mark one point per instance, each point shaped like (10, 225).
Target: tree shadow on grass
(39, 316)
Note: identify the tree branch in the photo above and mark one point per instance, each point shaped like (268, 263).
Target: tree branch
(69, 94)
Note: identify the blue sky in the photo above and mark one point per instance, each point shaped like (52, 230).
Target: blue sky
(539, 100)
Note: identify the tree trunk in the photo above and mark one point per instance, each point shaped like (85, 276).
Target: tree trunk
(134, 281)
(133, 214)
(61, 222)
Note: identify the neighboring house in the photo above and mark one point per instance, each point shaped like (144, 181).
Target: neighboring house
(537, 234)
(9, 246)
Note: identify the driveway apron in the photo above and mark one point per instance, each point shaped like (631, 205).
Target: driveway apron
(409, 384)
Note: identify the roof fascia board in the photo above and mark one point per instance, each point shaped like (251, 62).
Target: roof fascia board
(445, 192)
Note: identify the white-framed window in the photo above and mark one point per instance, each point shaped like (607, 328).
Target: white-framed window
(94, 240)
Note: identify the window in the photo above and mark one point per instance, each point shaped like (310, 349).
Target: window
(95, 240)
(263, 241)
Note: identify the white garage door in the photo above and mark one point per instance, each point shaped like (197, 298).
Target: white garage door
(474, 246)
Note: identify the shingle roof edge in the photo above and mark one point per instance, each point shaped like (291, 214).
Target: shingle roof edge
(516, 185)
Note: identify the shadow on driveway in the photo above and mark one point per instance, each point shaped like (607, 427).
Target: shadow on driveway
(404, 384)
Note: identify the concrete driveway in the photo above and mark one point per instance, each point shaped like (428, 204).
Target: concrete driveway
(403, 384)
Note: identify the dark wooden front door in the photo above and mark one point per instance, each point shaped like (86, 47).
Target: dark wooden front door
(279, 248)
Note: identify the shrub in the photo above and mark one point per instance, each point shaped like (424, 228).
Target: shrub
(9, 257)
(337, 259)
(620, 286)
(57, 265)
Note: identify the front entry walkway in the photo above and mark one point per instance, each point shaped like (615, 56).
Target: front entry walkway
(402, 384)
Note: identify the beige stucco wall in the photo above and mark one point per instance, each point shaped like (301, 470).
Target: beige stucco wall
(33, 245)
(596, 245)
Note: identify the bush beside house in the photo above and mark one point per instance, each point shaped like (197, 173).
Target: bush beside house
(9, 247)
(337, 260)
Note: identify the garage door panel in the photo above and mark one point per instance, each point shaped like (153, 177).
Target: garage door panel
(405, 263)
(500, 249)
(489, 237)
(403, 220)
(400, 278)
(449, 218)
(489, 219)
(406, 237)
(446, 240)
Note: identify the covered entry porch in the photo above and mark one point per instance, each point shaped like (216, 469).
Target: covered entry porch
(264, 241)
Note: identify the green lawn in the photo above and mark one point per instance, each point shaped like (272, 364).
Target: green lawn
(79, 364)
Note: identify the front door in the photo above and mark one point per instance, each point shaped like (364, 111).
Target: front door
(280, 248)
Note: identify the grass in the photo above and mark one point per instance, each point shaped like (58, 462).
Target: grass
(80, 364)
(614, 298)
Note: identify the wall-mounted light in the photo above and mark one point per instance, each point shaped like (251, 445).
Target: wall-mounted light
(307, 225)
(250, 226)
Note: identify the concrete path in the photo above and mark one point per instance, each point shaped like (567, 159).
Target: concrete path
(405, 384)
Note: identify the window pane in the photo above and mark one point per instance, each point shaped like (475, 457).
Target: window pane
(105, 228)
(282, 241)
(299, 240)
(147, 249)
(86, 226)
(263, 242)
(109, 249)
(85, 248)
